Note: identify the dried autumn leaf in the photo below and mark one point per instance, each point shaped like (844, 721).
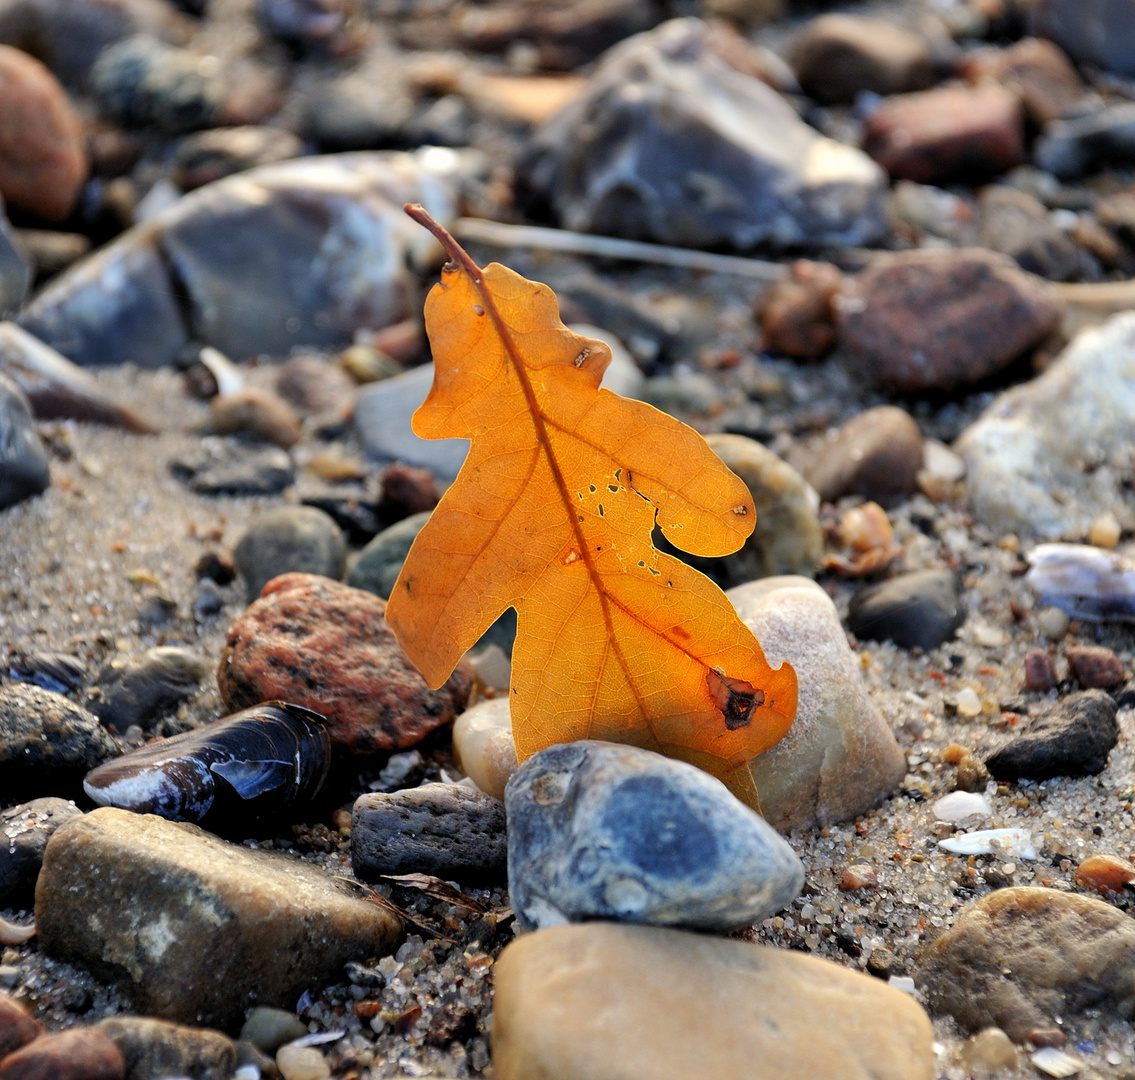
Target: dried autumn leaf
(552, 514)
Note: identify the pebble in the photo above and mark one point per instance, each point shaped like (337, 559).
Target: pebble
(858, 877)
(570, 1003)
(193, 929)
(1017, 224)
(1073, 738)
(17, 1026)
(24, 832)
(1104, 873)
(268, 1028)
(43, 158)
(972, 775)
(877, 454)
(154, 1048)
(24, 471)
(960, 805)
(314, 385)
(668, 143)
(1105, 531)
(599, 830)
(326, 646)
(455, 833)
(407, 491)
(920, 609)
(15, 269)
(482, 743)
(1083, 581)
(207, 156)
(1095, 666)
(256, 412)
(1032, 457)
(1097, 32)
(1023, 956)
(942, 319)
(1036, 70)
(225, 467)
(1040, 670)
(988, 1052)
(81, 1053)
(301, 1063)
(787, 537)
(289, 539)
(379, 563)
(147, 687)
(47, 743)
(1053, 622)
(955, 133)
(837, 57)
(796, 312)
(839, 758)
(1071, 148)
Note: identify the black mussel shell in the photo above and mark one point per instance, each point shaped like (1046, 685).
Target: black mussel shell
(224, 775)
(53, 671)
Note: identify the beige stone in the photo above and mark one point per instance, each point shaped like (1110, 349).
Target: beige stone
(195, 929)
(840, 757)
(600, 1001)
(482, 739)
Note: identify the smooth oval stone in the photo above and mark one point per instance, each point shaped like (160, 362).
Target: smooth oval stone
(482, 740)
(268, 1028)
(148, 686)
(602, 831)
(159, 1048)
(23, 460)
(916, 610)
(286, 539)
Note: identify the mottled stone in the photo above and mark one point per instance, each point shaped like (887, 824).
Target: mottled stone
(43, 159)
(455, 833)
(1073, 738)
(1095, 666)
(268, 1028)
(940, 319)
(326, 646)
(601, 1002)
(796, 314)
(24, 471)
(877, 454)
(196, 930)
(24, 832)
(920, 609)
(79, 1054)
(153, 1048)
(1021, 957)
(839, 758)
(287, 539)
(17, 1026)
(603, 831)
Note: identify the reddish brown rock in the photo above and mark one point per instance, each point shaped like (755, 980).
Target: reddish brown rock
(1036, 70)
(858, 877)
(43, 162)
(1095, 666)
(1040, 671)
(796, 314)
(407, 490)
(1104, 873)
(936, 319)
(314, 642)
(78, 1054)
(877, 454)
(16, 1026)
(956, 133)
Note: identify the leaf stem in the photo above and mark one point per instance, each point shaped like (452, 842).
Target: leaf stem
(453, 249)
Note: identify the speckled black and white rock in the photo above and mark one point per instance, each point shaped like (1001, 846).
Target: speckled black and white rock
(23, 461)
(919, 609)
(1073, 738)
(455, 833)
(602, 831)
(286, 539)
(147, 687)
(24, 832)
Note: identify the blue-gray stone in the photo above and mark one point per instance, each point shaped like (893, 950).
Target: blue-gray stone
(602, 831)
(23, 460)
(287, 539)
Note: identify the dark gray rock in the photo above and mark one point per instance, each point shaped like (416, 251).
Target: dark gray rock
(221, 467)
(51, 670)
(602, 831)
(47, 743)
(1017, 224)
(1070, 148)
(290, 538)
(157, 1048)
(379, 563)
(1097, 31)
(1073, 738)
(301, 21)
(268, 1029)
(669, 143)
(921, 609)
(24, 833)
(15, 273)
(23, 460)
(455, 833)
(148, 687)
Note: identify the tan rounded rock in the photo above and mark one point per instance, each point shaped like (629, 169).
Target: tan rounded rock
(482, 740)
(1104, 873)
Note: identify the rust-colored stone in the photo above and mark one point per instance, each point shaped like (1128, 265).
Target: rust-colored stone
(1104, 873)
(16, 1026)
(314, 642)
(796, 314)
(43, 162)
(1095, 666)
(407, 490)
(1040, 671)
(858, 877)
(78, 1054)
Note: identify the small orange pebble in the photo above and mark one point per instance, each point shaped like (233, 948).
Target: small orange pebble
(1104, 873)
(938, 676)
(366, 1009)
(954, 753)
(858, 877)
(118, 547)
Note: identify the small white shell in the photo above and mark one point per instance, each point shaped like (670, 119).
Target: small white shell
(1008, 843)
(1054, 1062)
(959, 805)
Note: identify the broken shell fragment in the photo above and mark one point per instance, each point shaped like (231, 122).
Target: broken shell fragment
(13, 934)
(226, 774)
(53, 671)
(1087, 582)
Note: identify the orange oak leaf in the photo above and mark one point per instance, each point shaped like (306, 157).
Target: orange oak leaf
(552, 514)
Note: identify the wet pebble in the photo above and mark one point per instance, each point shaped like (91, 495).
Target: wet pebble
(918, 609)
(598, 830)
(24, 470)
(1072, 738)
(1095, 666)
(314, 642)
(224, 467)
(24, 832)
(286, 539)
(154, 1048)
(268, 1028)
(147, 687)
(255, 412)
(455, 833)
(236, 927)
(78, 1054)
